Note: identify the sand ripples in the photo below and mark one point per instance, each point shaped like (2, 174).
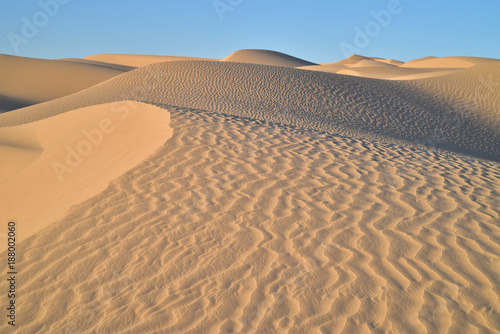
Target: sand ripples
(238, 225)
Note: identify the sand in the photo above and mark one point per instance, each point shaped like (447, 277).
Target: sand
(28, 81)
(134, 60)
(390, 69)
(266, 57)
(252, 195)
(73, 156)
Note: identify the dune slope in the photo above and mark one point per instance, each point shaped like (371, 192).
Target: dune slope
(246, 198)
(27, 81)
(266, 57)
(474, 92)
(52, 164)
(135, 60)
(444, 62)
(398, 110)
(389, 69)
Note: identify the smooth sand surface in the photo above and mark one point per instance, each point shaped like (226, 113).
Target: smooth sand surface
(123, 68)
(248, 198)
(262, 57)
(28, 81)
(266, 57)
(388, 61)
(390, 69)
(444, 62)
(135, 60)
(60, 161)
(376, 71)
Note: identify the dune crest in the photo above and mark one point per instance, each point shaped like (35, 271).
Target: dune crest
(389, 69)
(73, 156)
(447, 62)
(382, 109)
(28, 81)
(388, 61)
(136, 60)
(266, 57)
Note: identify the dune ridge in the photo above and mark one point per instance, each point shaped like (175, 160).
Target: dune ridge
(266, 57)
(28, 81)
(135, 60)
(114, 66)
(60, 161)
(390, 69)
(398, 110)
(444, 62)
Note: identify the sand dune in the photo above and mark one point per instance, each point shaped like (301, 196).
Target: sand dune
(123, 68)
(263, 57)
(135, 60)
(381, 72)
(354, 59)
(8, 103)
(243, 226)
(329, 102)
(247, 198)
(389, 69)
(388, 61)
(372, 63)
(62, 160)
(447, 62)
(360, 61)
(28, 81)
(357, 60)
(473, 92)
(266, 57)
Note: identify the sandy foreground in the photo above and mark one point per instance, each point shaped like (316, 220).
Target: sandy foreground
(258, 193)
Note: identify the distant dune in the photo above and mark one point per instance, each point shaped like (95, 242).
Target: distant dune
(118, 67)
(263, 57)
(447, 62)
(29, 81)
(135, 60)
(266, 57)
(388, 61)
(389, 69)
(258, 193)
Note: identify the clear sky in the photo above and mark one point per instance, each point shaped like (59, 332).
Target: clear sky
(319, 31)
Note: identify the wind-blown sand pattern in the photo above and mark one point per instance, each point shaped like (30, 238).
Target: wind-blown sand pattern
(303, 202)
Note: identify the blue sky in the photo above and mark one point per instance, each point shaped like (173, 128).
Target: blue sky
(319, 31)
